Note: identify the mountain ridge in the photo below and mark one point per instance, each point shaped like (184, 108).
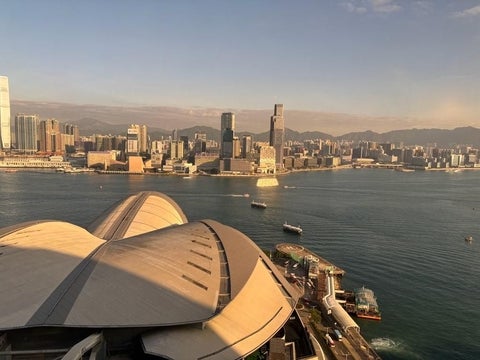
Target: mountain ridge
(102, 119)
(441, 137)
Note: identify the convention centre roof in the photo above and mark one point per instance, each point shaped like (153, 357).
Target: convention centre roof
(143, 265)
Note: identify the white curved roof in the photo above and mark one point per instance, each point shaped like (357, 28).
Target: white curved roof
(257, 313)
(35, 260)
(201, 282)
(138, 214)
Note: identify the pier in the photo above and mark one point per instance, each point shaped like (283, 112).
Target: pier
(320, 282)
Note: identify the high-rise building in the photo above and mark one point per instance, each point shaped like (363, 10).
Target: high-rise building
(26, 133)
(137, 139)
(227, 132)
(5, 137)
(247, 145)
(277, 134)
(176, 150)
(143, 138)
(237, 147)
(184, 139)
(133, 137)
(200, 143)
(50, 136)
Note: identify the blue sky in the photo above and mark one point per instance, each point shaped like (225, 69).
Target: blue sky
(416, 59)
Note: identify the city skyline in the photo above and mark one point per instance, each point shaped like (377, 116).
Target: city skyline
(375, 58)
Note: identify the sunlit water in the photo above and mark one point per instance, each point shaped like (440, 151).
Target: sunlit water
(400, 234)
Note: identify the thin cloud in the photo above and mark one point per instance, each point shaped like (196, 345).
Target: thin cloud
(422, 7)
(354, 8)
(385, 6)
(474, 11)
(376, 6)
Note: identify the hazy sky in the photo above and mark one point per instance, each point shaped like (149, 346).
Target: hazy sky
(369, 57)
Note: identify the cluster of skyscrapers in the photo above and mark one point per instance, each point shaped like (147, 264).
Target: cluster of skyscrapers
(31, 134)
(237, 156)
(231, 154)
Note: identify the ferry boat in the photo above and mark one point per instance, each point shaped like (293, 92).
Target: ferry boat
(366, 306)
(15, 162)
(291, 228)
(259, 205)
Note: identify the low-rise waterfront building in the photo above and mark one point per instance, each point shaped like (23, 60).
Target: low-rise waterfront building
(100, 159)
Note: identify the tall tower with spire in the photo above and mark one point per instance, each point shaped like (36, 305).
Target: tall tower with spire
(5, 131)
(277, 134)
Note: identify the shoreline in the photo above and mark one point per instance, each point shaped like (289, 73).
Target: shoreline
(257, 176)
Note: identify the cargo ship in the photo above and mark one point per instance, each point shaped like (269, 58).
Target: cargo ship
(366, 306)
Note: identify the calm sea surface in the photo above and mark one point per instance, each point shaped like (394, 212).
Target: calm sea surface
(400, 234)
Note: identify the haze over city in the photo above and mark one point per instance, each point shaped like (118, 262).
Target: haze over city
(380, 64)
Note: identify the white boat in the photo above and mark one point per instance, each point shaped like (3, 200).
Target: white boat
(291, 228)
(260, 205)
(469, 238)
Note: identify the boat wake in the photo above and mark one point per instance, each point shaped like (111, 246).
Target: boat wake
(386, 345)
(239, 195)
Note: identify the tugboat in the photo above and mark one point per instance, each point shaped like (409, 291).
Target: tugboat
(291, 228)
(259, 205)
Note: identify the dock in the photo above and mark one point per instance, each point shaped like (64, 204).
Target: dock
(322, 310)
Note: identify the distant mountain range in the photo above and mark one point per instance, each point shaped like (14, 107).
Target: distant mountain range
(440, 137)
(97, 119)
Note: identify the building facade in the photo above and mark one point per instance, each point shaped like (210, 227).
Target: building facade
(247, 145)
(227, 131)
(26, 133)
(176, 150)
(50, 139)
(277, 134)
(5, 136)
(133, 140)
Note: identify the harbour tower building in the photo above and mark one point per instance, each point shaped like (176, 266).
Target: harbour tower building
(26, 133)
(227, 131)
(277, 134)
(5, 137)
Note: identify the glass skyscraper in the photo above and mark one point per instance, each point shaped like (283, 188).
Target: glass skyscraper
(5, 136)
(277, 134)
(227, 133)
(26, 133)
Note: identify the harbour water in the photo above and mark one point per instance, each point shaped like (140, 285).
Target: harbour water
(400, 234)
